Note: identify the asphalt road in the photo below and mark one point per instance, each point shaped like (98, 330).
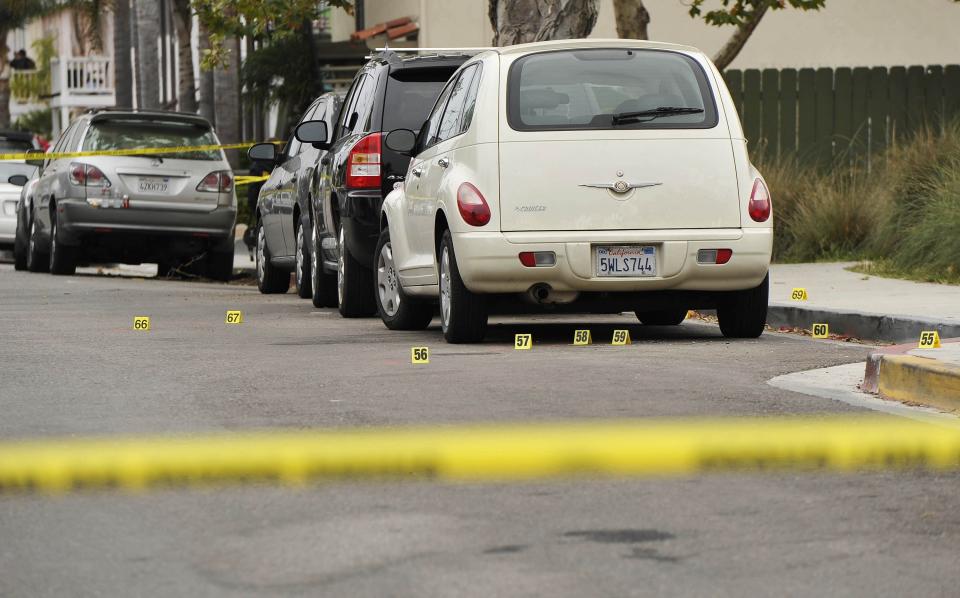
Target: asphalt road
(70, 365)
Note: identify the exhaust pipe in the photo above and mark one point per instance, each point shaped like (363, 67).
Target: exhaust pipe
(543, 294)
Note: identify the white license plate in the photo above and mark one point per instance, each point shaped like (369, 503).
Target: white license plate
(626, 260)
(153, 185)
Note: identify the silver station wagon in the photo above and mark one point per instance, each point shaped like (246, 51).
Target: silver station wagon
(176, 209)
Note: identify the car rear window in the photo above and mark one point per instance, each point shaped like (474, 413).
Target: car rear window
(586, 89)
(134, 134)
(410, 95)
(8, 145)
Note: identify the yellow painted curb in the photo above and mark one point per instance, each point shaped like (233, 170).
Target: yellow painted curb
(480, 453)
(920, 380)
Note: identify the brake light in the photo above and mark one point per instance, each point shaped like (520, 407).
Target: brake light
(473, 207)
(363, 163)
(85, 175)
(759, 207)
(218, 181)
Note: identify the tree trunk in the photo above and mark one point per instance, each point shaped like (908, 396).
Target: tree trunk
(206, 82)
(739, 39)
(122, 71)
(226, 93)
(632, 19)
(148, 59)
(4, 80)
(186, 88)
(521, 21)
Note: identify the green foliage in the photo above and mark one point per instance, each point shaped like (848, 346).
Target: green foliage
(37, 122)
(903, 216)
(738, 12)
(281, 72)
(260, 19)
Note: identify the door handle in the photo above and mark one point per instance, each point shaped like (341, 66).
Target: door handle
(443, 162)
(417, 171)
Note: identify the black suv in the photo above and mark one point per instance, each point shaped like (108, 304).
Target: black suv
(390, 92)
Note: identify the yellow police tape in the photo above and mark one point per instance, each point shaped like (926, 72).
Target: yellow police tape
(148, 151)
(480, 453)
(246, 180)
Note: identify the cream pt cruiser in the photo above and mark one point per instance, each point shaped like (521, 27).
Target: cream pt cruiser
(583, 176)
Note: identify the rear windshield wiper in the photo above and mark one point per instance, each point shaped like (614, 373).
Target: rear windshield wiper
(648, 115)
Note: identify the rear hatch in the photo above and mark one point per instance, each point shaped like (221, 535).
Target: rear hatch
(597, 140)
(412, 89)
(168, 180)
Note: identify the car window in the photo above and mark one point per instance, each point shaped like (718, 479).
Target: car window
(14, 146)
(294, 147)
(61, 142)
(131, 133)
(587, 89)
(471, 102)
(345, 112)
(453, 113)
(433, 121)
(360, 119)
(410, 94)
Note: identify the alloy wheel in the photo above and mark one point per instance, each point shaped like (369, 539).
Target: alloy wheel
(445, 288)
(299, 256)
(261, 240)
(314, 261)
(340, 265)
(388, 287)
(53, 239)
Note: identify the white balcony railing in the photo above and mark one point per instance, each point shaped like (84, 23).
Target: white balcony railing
(82, 81)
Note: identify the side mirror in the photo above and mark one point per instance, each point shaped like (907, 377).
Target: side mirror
(314, 132)
(402, 141)
(263, 152)
(37, 161)
(18, 179)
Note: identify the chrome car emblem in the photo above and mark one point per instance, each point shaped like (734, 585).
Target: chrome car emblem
(620, 186)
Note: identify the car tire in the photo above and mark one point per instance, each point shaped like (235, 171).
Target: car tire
(354, 283)
(323, 286)
(270, 280)
(20, 246)
(63, 258)
(743, 314)
(397, 310)
(662, 317)
(302, 271)
(463, 314)
(37, 260)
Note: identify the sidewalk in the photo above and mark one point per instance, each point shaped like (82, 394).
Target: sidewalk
(867, 307)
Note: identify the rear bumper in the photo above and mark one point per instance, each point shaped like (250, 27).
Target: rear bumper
(78, 219)
(360, 218)
(489, 262)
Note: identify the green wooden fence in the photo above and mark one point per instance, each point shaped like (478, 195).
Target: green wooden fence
(824, 115)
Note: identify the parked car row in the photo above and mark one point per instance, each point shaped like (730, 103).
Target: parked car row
(176, 209)
(593, 176)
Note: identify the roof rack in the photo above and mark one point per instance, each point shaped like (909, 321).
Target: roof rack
(387, 50)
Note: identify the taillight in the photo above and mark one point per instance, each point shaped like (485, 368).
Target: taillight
(86, 175)
(219, 181)
(363, 163)
(473, 207)
(759, 206)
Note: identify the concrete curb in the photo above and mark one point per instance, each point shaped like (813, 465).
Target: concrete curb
(893, 374)
(862, 325)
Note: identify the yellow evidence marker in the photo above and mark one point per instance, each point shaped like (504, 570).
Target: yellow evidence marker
(234, 317)
(581, 337)
(419, 354)
(141, 323)
(523, 342)
(799, 294)
(821, 331)
(929, 339)
(621, 337)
